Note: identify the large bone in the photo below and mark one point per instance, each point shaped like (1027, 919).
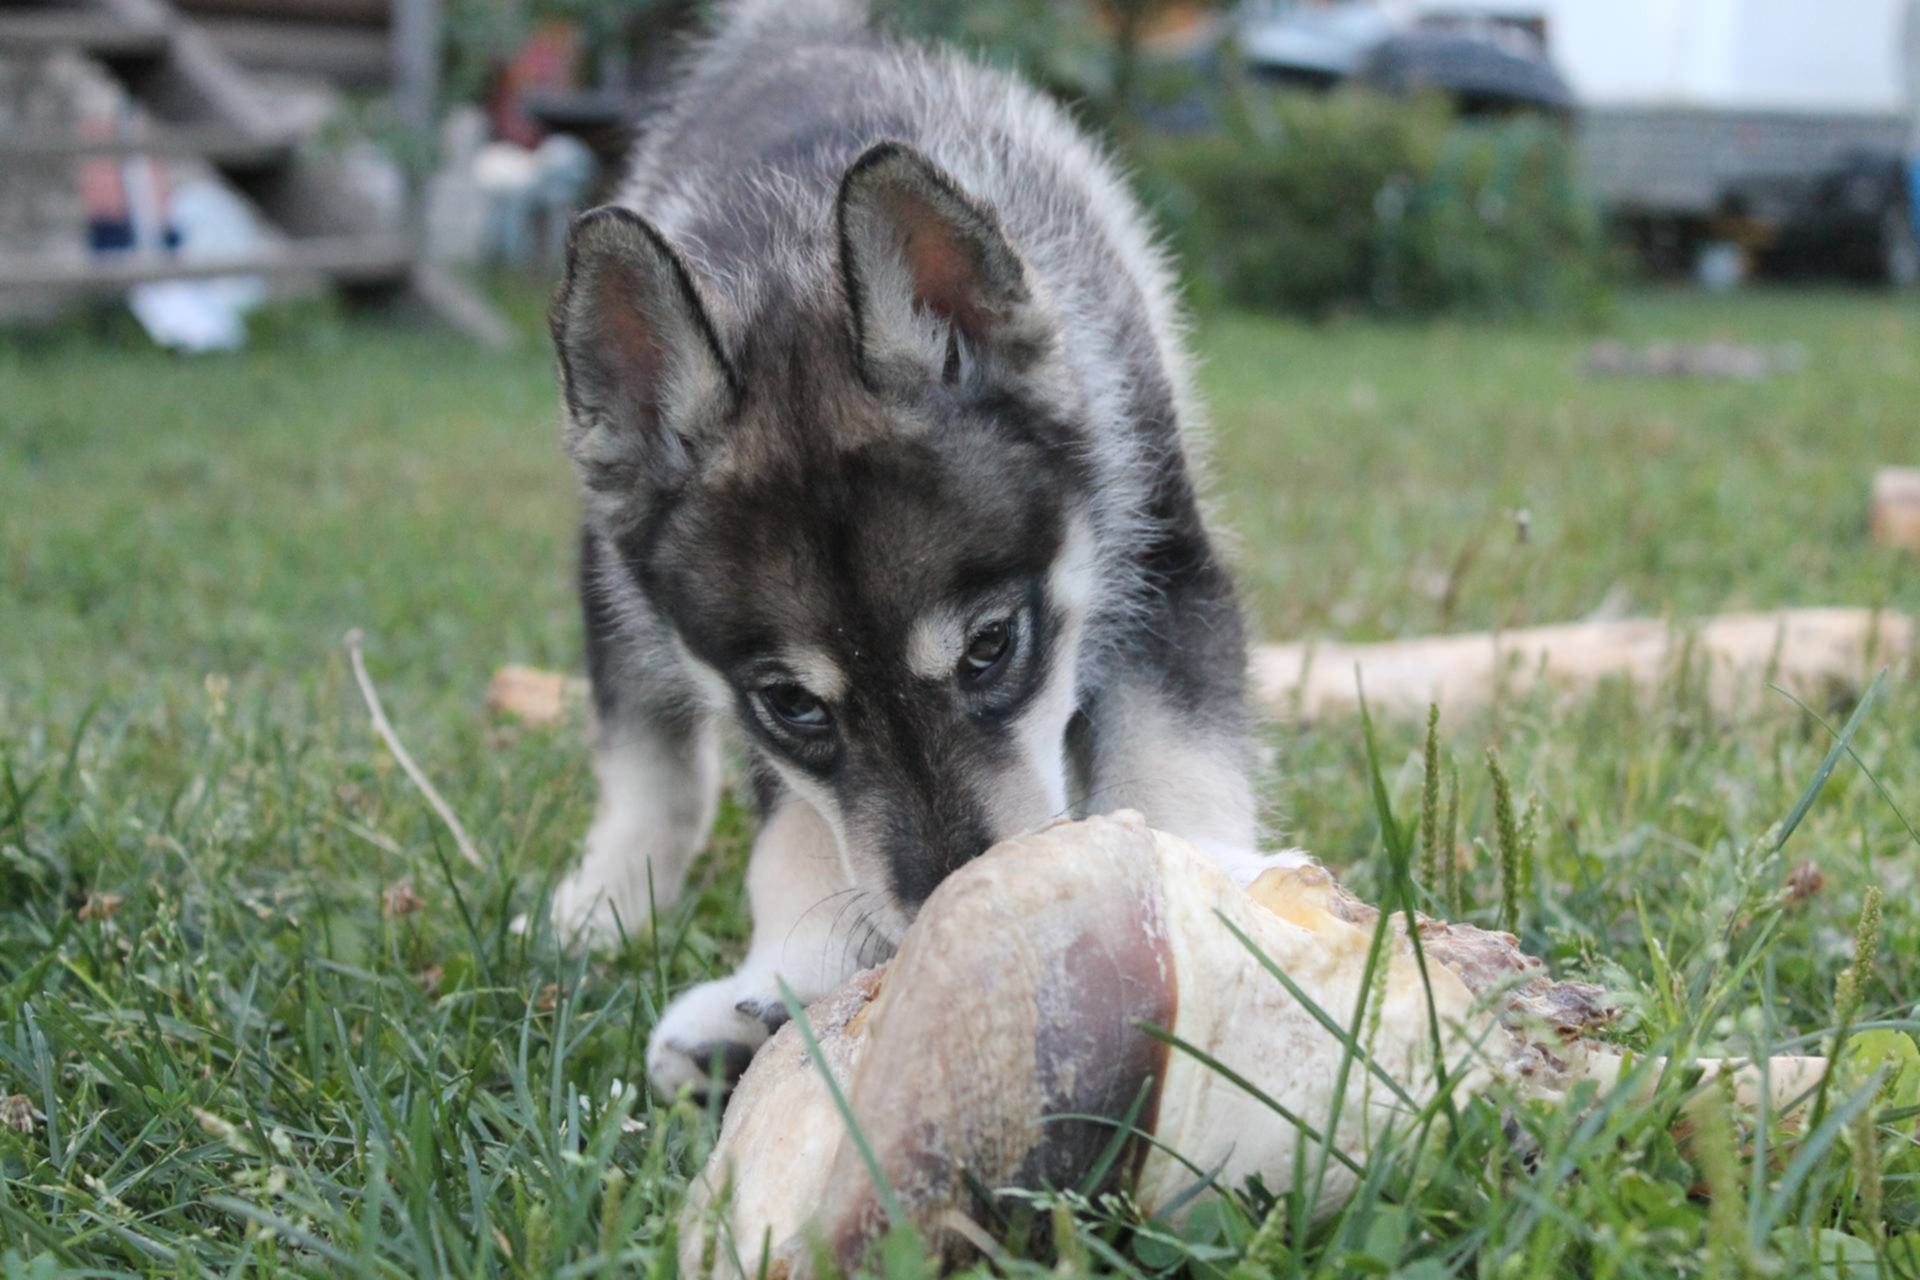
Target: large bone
(1020, 1001)
(1022, 994)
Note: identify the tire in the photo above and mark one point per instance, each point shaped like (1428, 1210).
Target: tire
(1899, 248)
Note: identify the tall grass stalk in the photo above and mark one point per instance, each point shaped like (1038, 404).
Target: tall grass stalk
(1430, 832)
(1510, 850)
(1450, 847)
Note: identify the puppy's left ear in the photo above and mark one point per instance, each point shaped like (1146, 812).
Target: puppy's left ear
(935, 288)
(645, 379)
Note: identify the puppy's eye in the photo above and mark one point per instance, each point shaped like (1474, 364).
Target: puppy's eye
(796, 708)
(987, 649)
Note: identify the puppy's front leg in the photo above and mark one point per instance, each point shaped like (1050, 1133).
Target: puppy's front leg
(809, 928)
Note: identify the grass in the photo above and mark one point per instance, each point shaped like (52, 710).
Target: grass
(242, 1048)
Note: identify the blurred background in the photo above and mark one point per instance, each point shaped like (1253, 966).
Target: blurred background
(1309, 156)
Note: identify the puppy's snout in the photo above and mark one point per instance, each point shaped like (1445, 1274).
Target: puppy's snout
(926, 844)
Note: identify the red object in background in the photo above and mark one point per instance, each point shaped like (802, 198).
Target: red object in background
(546, 61)
(103, 189)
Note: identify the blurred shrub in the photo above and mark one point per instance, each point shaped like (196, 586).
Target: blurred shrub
(1092, 54)
(1318, 203)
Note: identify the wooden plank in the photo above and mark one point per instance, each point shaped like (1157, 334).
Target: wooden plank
(217, 144)
(40, 31)
(352, 260)
(1894, 512)
(352, 57)
(1736, 655)
(352, 13)
(416, 67)
(533, 696)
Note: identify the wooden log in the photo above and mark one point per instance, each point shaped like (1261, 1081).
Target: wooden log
(1806, 651)
(534, 696)
(1894, 516)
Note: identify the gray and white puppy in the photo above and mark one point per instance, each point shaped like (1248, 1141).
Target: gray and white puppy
(877, 395)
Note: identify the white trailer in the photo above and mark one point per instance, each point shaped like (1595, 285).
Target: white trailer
(1776, 122)
(1680, 98)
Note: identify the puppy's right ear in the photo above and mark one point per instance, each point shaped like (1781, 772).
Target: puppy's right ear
(643, 374)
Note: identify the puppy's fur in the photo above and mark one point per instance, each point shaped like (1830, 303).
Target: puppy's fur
(881, 414)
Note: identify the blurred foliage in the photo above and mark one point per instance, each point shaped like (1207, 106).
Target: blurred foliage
(1081, 50)
(480, 36)
(1312, 203)
(1090, 54)
(477, 39)
(1303, 203)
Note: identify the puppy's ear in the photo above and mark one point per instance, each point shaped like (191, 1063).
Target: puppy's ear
(643, 374)
(935, 288)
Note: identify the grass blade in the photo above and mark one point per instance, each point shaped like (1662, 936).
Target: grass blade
(1841, 747)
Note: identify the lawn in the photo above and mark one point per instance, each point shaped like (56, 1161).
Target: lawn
(241, 1044)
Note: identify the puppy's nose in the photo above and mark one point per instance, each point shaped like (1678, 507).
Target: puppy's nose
(926, 860)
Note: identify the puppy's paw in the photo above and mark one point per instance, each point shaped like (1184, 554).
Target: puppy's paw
(714, 1028)
(624, 878)
(594, 912)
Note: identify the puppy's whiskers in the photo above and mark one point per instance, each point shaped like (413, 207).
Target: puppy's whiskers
(801, 918)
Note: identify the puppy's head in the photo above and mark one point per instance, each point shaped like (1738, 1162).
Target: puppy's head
(865, 524)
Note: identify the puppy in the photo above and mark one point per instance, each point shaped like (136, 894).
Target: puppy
(878, 399)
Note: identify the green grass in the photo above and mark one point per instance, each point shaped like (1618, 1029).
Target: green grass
(249, 1066)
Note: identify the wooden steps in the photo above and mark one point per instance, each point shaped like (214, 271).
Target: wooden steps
(193, 101)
